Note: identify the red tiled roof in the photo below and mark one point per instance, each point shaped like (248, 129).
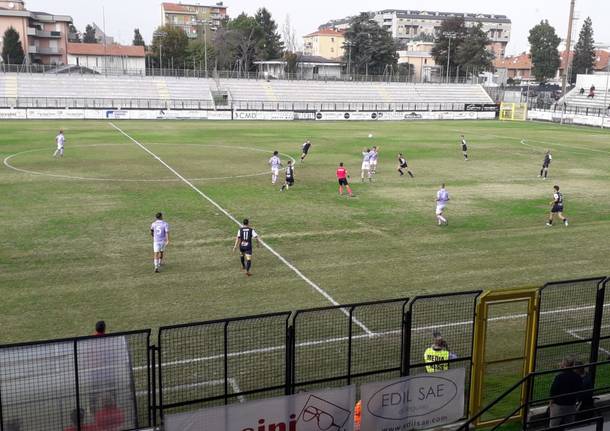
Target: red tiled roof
(523, 61)
(327, 32)
(99, 49)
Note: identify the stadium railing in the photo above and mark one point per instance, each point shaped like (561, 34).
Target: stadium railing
(226, 361)
(245, 105)
(230, 74)
(539, 420)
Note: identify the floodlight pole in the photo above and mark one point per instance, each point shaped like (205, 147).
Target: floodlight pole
(568, 55)
(605, 107)
(449, 36)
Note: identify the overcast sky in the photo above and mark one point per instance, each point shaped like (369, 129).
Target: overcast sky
(122, 16)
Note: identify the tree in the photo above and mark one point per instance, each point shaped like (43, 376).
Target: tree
(369, 48)
(289, 36)
(292, 61)
(73, 34)
(170, 44)
(138, 40)
(272, 46)
(450, 35)
(543, 48)
(584, 51)
(12, 50)
(472, 53)
(246, 38)
(89, 36)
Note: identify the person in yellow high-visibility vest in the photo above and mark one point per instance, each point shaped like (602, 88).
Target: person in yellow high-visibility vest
(436, 355)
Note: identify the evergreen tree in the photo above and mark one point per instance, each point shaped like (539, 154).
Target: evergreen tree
(12, 50)
(473, 53)
(246, 39)
(543, 48)
(89, 36)
(73, 34)
(272, 46)
(170, 43)
(138, 40)
(584, 51)
(369, 47)
(450, 35)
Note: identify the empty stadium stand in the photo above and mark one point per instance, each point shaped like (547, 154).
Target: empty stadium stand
(45, 90)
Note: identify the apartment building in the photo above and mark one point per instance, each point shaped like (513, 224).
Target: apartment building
(189, 17)
(406, 25)
(44, 36)
(326, 43)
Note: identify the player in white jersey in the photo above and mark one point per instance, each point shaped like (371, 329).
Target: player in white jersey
(442, 197)
(159, 230)
(59, 140)
(374, 154)
(366, 164)
(275, 164)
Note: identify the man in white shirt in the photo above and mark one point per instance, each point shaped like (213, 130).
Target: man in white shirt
(59, 140)
(442, 197)
(275, 164)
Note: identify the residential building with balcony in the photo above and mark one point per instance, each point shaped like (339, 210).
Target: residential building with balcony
(189, 17)
(44, 36)
(407, 25)
(324, 43)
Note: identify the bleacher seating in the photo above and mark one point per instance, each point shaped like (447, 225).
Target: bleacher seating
(582, 102)
(82, 87)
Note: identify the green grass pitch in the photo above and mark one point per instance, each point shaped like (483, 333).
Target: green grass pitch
(76, 246)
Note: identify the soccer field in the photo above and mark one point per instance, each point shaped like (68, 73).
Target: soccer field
(77, 247)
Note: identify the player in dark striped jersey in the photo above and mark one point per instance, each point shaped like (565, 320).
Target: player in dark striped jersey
(548, 158)
(306, 147)
(402, 164)
(557, 207)
(464, 147)
(289, 177)
(245, 236)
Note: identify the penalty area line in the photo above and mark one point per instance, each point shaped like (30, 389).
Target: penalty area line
(294, 269)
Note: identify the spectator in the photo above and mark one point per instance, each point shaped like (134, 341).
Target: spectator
(582, 91)
(562, 409)
(586, 407)
(100, 329)
(592, 92)
(357, 415)
(109, 417)
(436, 355)
(74, 418)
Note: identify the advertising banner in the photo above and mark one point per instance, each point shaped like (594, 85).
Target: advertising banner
(60, 114)
(13, 114)
(264, 115)
(330, 410)
(414, 402)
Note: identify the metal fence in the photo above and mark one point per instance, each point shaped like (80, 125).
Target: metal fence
(51, 384)
(77, 382)
(186, 72)
(202, 104)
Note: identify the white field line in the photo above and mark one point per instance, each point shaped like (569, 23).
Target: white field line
(264, 244)
(534, 140)
(234, 386)
(574, 333)
(358, 337)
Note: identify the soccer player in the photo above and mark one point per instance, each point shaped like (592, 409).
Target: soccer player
(402, 164)
(306, 147)
(548, 158)
(289, 177)
(245, 235)
(442, 197)
(59, 140)
(343, 176)
(557, 208)
(159, 230)
(275, 164)
(464, 147)
(366, 164)
(374, 154)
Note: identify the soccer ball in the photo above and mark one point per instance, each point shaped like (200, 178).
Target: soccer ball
(370, 135)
